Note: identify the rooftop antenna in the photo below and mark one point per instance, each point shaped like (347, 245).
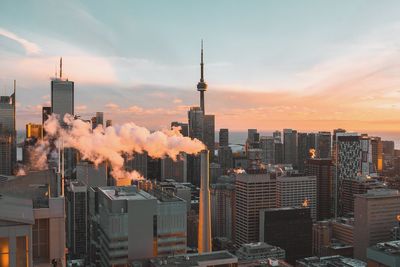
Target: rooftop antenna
(60, 67)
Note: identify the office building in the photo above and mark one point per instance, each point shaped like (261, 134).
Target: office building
(322, 169)
(184, 127)
(34, 131)
(196, 123)
(8, 134)
(297, 191)
(278, 153)
(323, 150)
(258, 251)
(77, 220)
(377, 154)
(46, 112)
(375, 215)
(267, 145)
(223, 209)
(223, 137)
(16, 222)
(216, 259)
(137, 162)
(290, 147)
(209, 134)
(254, 192)
(174, 169)
(384, 254)
(334, 152)
(330, 261)
(91, 175)
(358, 185)
(62, 96)
(99, 118)
(277, 136)
(287, 228)
(225, 158)
(303, 152)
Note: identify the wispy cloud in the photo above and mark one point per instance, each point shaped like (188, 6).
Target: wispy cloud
(30, 47)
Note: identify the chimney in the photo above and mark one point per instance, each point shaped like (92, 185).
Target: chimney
(204, 238)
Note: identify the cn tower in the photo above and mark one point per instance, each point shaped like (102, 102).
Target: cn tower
(202, 86)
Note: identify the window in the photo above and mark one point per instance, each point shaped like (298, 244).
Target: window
(40, 240)
(22, 251)
(4, 252)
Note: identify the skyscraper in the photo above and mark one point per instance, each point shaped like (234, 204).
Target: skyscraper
(209, 134)
(204, 234)
(46, 112)
(8, 134)
(290, 147)
(196, 123)
(62, 96)
(302, 151)
(100, 118)
(223, 137)
(34, 131)
(184, 127)
(324, 145)
(267, 145)
(377, 154)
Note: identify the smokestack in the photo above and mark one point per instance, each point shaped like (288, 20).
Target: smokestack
(204, 238)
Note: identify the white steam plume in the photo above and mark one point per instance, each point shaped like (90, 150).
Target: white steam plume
(112, 143)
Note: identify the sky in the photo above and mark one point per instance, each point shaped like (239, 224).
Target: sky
(307, 65)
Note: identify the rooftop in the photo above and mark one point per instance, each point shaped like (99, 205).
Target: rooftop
(379, 193)
(192, 260)
(389, 247)
(337, 261)
(125, 193)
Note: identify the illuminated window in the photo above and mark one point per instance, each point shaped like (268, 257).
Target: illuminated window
(4, 252)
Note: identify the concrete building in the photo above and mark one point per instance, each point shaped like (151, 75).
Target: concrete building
(92, 175)
(225, 158)
(223, 137)
(302, 151)
(209, 134)
(267, 145)
(384, 254)
(290, 147)
(287, 228)
(377, 153)
(216, 259)
(223, 210)
(254, 192)
(258, 251)
(174, 169)
(77, 220)
(323, 149)
(277, 136)
(204, 234)
(297, 191)
(16, 221)
(375, 215)
(330, 261)
(322, 169)
(357, 185)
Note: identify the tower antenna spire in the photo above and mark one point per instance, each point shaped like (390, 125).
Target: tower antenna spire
(202, 85)
(60, 67)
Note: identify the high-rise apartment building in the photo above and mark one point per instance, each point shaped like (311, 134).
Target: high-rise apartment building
(254, 192)
(375, 214)
(297, 191)
(290, 147)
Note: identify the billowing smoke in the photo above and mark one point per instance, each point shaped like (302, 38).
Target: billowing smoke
(113, 143)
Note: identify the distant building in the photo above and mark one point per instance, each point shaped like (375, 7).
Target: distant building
(184, 127)
(375, 214)
(215, 259)
(46, 112)
(62, 98)
(259, 250)
(377, 153)
(254, 192)
(225, 158)
(287, 228)
(34, 131)
(267, 145)
(323, 145)
(209, 134)
(174, 169)
(290, 147)
(137, 162)
(303, 152)
(91, 175)
(108, 123)
(8, 134)
(223, 203)
(277, 136)
(99, 118)
(223, 137)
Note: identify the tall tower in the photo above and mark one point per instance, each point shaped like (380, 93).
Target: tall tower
(202, 86)
(204, 237)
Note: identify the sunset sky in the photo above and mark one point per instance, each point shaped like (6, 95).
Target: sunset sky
(308, 65)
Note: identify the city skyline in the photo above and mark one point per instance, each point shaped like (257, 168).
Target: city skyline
(274, 71)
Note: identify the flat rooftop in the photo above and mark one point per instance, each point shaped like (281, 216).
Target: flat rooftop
(192, 260)
(389, 247)
(125, 193)
(337, 261)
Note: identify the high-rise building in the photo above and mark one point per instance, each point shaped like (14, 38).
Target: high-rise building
(290, 147)
(323, 170)
(225, 158)
(311, 141)
(223, 137)
(267, 144)
(8, 134)
(209, 134)
(223, 209)
(137, 162)
(287, 228)
(77, 219)
(377, 154)
(184, 127)
(323, 150)
(278, 153)
(358, 185)
(254, 192)
(100, 118)
(108, 123)
(375, 214)
(336, 132)
(62, 96)
(297, 191)
(196, 123)
(303, 152)
(174, 169)
(46, 112)
(277, 136)
(204, 234)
